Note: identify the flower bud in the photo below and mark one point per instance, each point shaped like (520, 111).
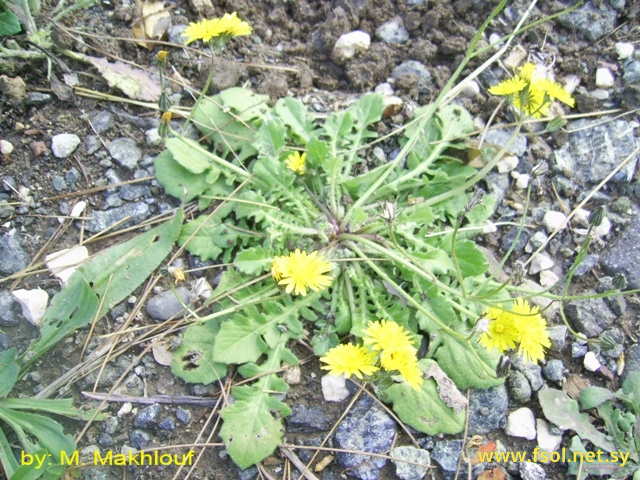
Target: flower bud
(164, 103)
(608, 341)
(595, 218)
(165, 125)
(619, 282)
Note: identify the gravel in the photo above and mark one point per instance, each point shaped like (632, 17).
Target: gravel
(488, 409)
(165, 305)
(126, 152)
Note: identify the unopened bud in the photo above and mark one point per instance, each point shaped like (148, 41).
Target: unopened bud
(161, 58)
(165, 125)
(164, 103)
(608, 341)
(620, 282)
(556, 124)
(595, 218)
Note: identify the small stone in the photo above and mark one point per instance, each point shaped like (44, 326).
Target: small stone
(410, 471)
(547, 441)
(578, 349)
(125, 409)
(557, 336)
(413, 68)
(148, 417)
(516, 56)
(521, 423)
(590, 316)
(519, 387)
(14, 88)
(624, 50)
(292, 375)
(64, 144)
(522, 181)
(531, 471)
(8, 310)
(553, 221)
(105, 440)
(305, 419)
(126, 152)
(168, 424)
(541, 262)
(385, 89)
(604, 228)
(92, 144)
(110, 425)
(487, 409)
(393, 32)
(139, 439)
(447, 454)
(591, 362)
(548, 278)
(101, 220)
(334, 388)
(166, 305)
(153, 137)
(587, 264)
(102, 121)
(59, 183)
(604, 78)
(37, 98)
(6, 147)
(599, 94)
(554, 371)
(470, 89)
(33, 303)
(13, 256)
(348, 45)
(183, 415)
(507, 164)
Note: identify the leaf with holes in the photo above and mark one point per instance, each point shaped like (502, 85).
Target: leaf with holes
(193, 359)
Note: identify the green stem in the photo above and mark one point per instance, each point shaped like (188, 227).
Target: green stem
(207, 84)
(455, 257)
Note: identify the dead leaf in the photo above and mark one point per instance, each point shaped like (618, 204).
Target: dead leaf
(447, 390)
(133, 82)
(151, 20)
(574, 386)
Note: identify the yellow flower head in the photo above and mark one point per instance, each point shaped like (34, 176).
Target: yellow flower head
(349, 360)
(176, 273)
(206, 30)
(502, 334)
(531, 94)
(532, 331)
(161, 56)
(297, 163)
(406, 363)
(166, 117)
(300, 271)
(388, 336)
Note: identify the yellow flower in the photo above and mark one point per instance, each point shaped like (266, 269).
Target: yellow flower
(350, 360)
(206, 30)
(300, 271)
(176, 273)
(532, 331)
(387, 336)
(502, 333)
(406, 363)
(532, 95)
(297, 163)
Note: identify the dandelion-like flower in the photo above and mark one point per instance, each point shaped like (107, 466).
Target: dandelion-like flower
(530, 94)
(387, 336)
(404, 362)
(216, 28)
(301, 271)
(176, 273)
(522, 326)
(297, 163)
(350, 360)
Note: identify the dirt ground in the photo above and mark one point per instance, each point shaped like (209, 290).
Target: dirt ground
(289, 54)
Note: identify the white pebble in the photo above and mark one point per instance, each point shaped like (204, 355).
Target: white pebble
(6, 147)
(494, 38)
(591, 362)
(599, 94)
(349, 44)
(507, 164)
(385, 89)
(470, 89)
(292, 375)
(624, 50)
(33, 303)
(153, 137)
(604, 228)
(604, 78)
(521, 423)
(125, 409)
(64, 144)
(522, 181)
(65, 262)
(334, 388)
(547, 441)
(541, 262)
(554, 220)
(77, 209)
(548, 278)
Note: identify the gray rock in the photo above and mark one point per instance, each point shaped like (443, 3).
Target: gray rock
(175, 34)
(168, 424)
(12, 257)
(501, 137)
(9, 184)
(102, 121)
(148, 417)
(557, 335)
(250, 473)
(112, 201)
(595, 148)
(554, 371)
(126, 152)
(410, 471)
(578, 349)
(9, 310)
(532, 471)
(105, 440)
(447, 454)
(72, 176)
(510, 236)
(519, 388)
(587, 264)
(589, 316)
(103, 219)
(593, 22)
(59, 183)
(139, 439)
(488, 409)
(64, 144)
(110, 425)
(631, 84)
(631, 72)
(366, 428)
(133, 192)
(92, 144)
(393, 32)
(305, 419)
(533, 373)
(412, 67)
(623, 257)
(632, 360)
(618, 339)
(5, 342)
(165, 305)
(183, 415)
(37, 98)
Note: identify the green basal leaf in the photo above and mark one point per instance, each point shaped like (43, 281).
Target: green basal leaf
(631, 391)
(189, 154)
(7, 459)
(369, 109)
(317, 152)
(423, 409)
(246, 105)
(58, 406)
(9, 24)
(296, 117)
(254, 261)
(193, 359)
(208, 238)
(270, 138)
(177, 180)
(8, 371)
(591, 397)
(456, 122)
(471, 260)
(240, 338)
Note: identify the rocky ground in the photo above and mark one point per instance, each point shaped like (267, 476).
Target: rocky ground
(60, 147)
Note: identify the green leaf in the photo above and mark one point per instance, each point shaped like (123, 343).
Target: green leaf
(253, 261)
(112, 276)
(369, 108)
(8, 371)
(58, 406)
(591, 397)
(246, 104)
(423, 409)
(7, 459)
(250, 432)
(631, 390)
(471, 260)
(9, 24)
(456, 121)
(177, 180)
(295, 115)
(189, 154)
(270, 138)
(462, 366)
(240, 338)
(317, 152)
(564, 412)
(577, 451)
(210, 239)
(193, 359)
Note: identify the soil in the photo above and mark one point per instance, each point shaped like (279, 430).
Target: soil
(289, 54)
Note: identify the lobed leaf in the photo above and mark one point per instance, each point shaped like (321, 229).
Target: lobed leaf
(193, 359)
